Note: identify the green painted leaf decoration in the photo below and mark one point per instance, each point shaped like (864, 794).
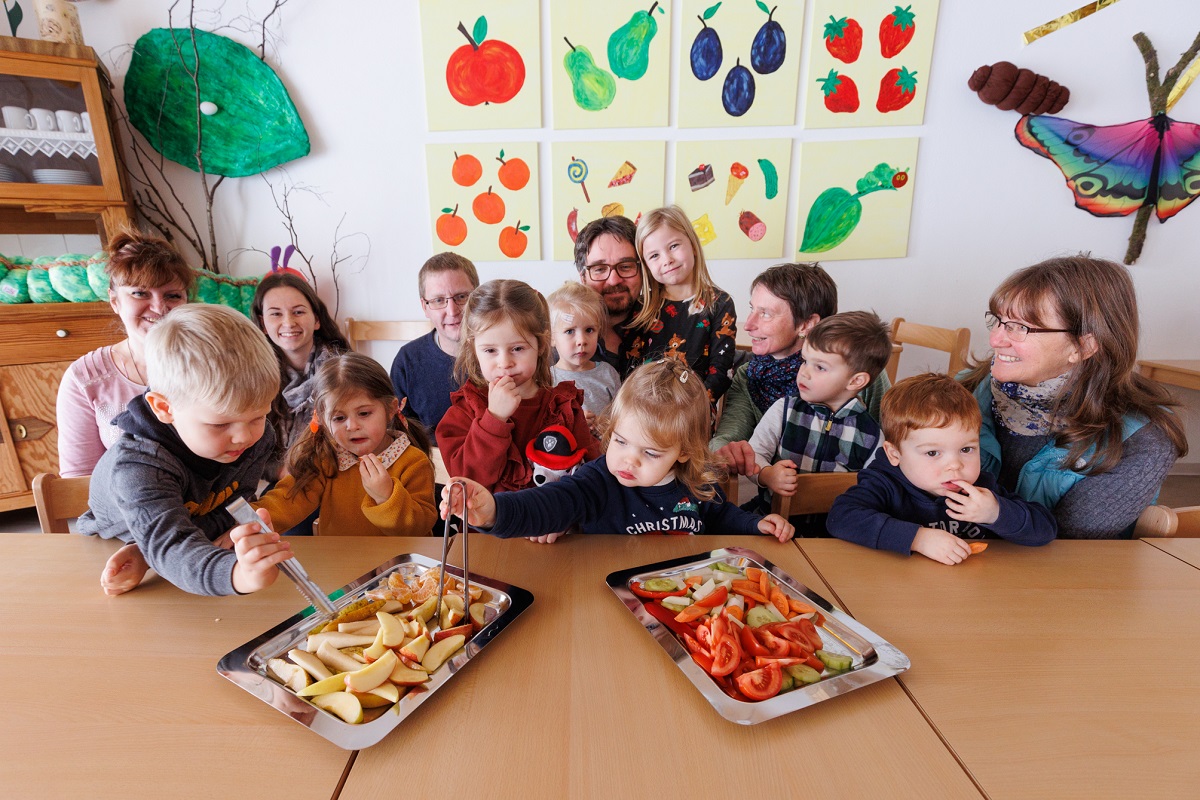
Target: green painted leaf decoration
(447, 210)
(502, 154)
(833, 217)
(711, 10)
(15, 15)
(523, 228)
(763, 6)
(256, 127)
(479, 32)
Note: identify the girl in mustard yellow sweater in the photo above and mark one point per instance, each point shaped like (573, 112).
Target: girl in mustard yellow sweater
(361, 462)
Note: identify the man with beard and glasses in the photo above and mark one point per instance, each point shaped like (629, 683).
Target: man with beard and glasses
(607, 262)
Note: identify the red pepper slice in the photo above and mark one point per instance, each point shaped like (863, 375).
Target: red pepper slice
(641, 591)
(705, 661)
(715, 598)
(667, 617)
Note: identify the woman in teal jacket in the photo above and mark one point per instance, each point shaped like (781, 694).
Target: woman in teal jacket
(1067, 420)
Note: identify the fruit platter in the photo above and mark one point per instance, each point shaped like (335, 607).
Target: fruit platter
(354, 678)
(756, 643)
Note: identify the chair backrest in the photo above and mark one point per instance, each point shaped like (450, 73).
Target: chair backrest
(1188, 519)
(956, 342)
(815, 492)
(59, 500)
(440, 475)
(1156, 522)
(359, 331)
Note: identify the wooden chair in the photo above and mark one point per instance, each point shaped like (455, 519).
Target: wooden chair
(59, 500)
(956, 342)
(815, 492)
(359, 331)
(1161, 521)
(440, 476)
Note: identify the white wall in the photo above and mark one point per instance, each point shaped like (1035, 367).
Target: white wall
(983, 205)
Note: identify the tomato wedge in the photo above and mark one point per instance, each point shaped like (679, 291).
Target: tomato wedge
(761, 684)
(725, 657)
(666, 617)
(704, 660)
(751, 644)
(776, 646)
(645, 593)
(714, 598)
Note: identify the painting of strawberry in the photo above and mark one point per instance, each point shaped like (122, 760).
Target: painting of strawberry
(841, 95)
(843, 39)
(896, 30)
(896, 90)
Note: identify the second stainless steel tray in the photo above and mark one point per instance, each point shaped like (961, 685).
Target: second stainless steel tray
(874, 659)
(247, 665)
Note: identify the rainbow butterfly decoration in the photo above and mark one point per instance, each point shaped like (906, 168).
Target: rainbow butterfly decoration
(1114, 170)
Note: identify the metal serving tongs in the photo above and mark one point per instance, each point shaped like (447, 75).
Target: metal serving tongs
(461, 485)
(243, 514)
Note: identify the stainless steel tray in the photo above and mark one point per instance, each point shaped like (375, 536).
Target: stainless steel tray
(247, 665)
(874, 659)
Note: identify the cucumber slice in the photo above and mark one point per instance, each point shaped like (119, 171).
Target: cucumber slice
(789, 683)
(759, 616)
(721, 566)
(802, 673)
(835, 661)
(660, 585)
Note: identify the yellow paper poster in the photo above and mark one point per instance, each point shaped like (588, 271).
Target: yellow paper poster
(593, 179)
(483, 200)
(739, 62)
(610, 63)
(482, 64)
(868, 63)
(735, 193)
(855, 199)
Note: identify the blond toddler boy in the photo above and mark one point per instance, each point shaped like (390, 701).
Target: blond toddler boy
(577, 319)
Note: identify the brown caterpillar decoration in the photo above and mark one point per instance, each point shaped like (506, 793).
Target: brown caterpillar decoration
(1010, 88)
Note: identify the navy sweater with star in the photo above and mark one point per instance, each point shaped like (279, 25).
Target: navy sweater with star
(592, 498)
(884, 511)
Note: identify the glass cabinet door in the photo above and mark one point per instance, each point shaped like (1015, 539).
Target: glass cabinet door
(46, 133)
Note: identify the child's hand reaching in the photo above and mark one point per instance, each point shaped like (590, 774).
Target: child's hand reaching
(503, 399)
(375, 478)
(124, 570)
(549, 538)
(481, 506)
(975, 504)
(941, 546)
(780, 477)
(739, 456)
(777, 526)
(258, 553)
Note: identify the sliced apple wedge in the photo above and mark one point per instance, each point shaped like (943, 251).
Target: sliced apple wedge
(404, 675)
(391, 629)
(310, 664)
(424, 612)
(452, 610)
(392, 606)
(458, 630)
(338, 640)
(479, 615)
(440, 651)
(344, 704)
(373, 674)
(335, 659)
(415, 649)
(377, 648)
(387, 690)
(290, 675)
(371, 700)
(364, 627)
(334, 683)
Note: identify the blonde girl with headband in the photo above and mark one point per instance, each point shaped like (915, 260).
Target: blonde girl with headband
(684, 315)
(657, 475)
(361, 463)
(508, 395)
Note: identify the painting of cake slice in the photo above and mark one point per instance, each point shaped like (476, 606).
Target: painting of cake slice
(700, 177)
(624, 175)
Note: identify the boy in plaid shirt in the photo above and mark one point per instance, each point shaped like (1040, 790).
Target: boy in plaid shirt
(826, 428)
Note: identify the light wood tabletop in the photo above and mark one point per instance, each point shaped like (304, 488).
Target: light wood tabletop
(577, 700)
(120, 697)
(1061, 671)
(1183, 372)
(1184, 549)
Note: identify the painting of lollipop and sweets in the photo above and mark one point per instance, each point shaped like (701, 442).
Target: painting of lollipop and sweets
(735, 193)
(602, 179)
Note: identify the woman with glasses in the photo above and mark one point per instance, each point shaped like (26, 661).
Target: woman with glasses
(1067, 421)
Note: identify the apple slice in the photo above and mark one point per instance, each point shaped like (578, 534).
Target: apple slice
(387, 691)
(370, 700)
(334, 683)
(290, 675)
(452, 610)
(392, 606)
(404, 675)
(439, 652)
(364, 627)
(373, 674)
(458, 630)
(479, 615)
(338, 640)
(392, 630)
(335, 659)
(377, 648)
(424, 612)
(310, 663)
(344, 704)
(415, 649)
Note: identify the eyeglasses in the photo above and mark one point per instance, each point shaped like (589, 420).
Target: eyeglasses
(1015, 330)
(625, 269)
(459, 299)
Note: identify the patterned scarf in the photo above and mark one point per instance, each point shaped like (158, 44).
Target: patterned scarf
(771, 378)
(298, 393)
(1028, 410)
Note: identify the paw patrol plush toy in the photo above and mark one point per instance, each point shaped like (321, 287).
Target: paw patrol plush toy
(553, 454)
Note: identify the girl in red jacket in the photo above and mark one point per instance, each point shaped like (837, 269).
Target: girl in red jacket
(508, 395)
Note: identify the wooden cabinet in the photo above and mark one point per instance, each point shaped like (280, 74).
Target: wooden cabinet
(37, 344)
(60, 168)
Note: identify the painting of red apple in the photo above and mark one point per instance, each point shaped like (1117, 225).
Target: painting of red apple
(484, 70)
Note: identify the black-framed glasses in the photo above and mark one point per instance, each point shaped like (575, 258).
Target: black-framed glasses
(459, 299)
(625, 269)
(1016, 330)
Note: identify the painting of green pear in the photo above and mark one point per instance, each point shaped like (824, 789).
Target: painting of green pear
(592, 86)
(629, 45)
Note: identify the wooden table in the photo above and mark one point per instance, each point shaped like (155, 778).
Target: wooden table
(1184, 372)
(577, 700)
(1062, 671)
(120, 697)
(1184, 549)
